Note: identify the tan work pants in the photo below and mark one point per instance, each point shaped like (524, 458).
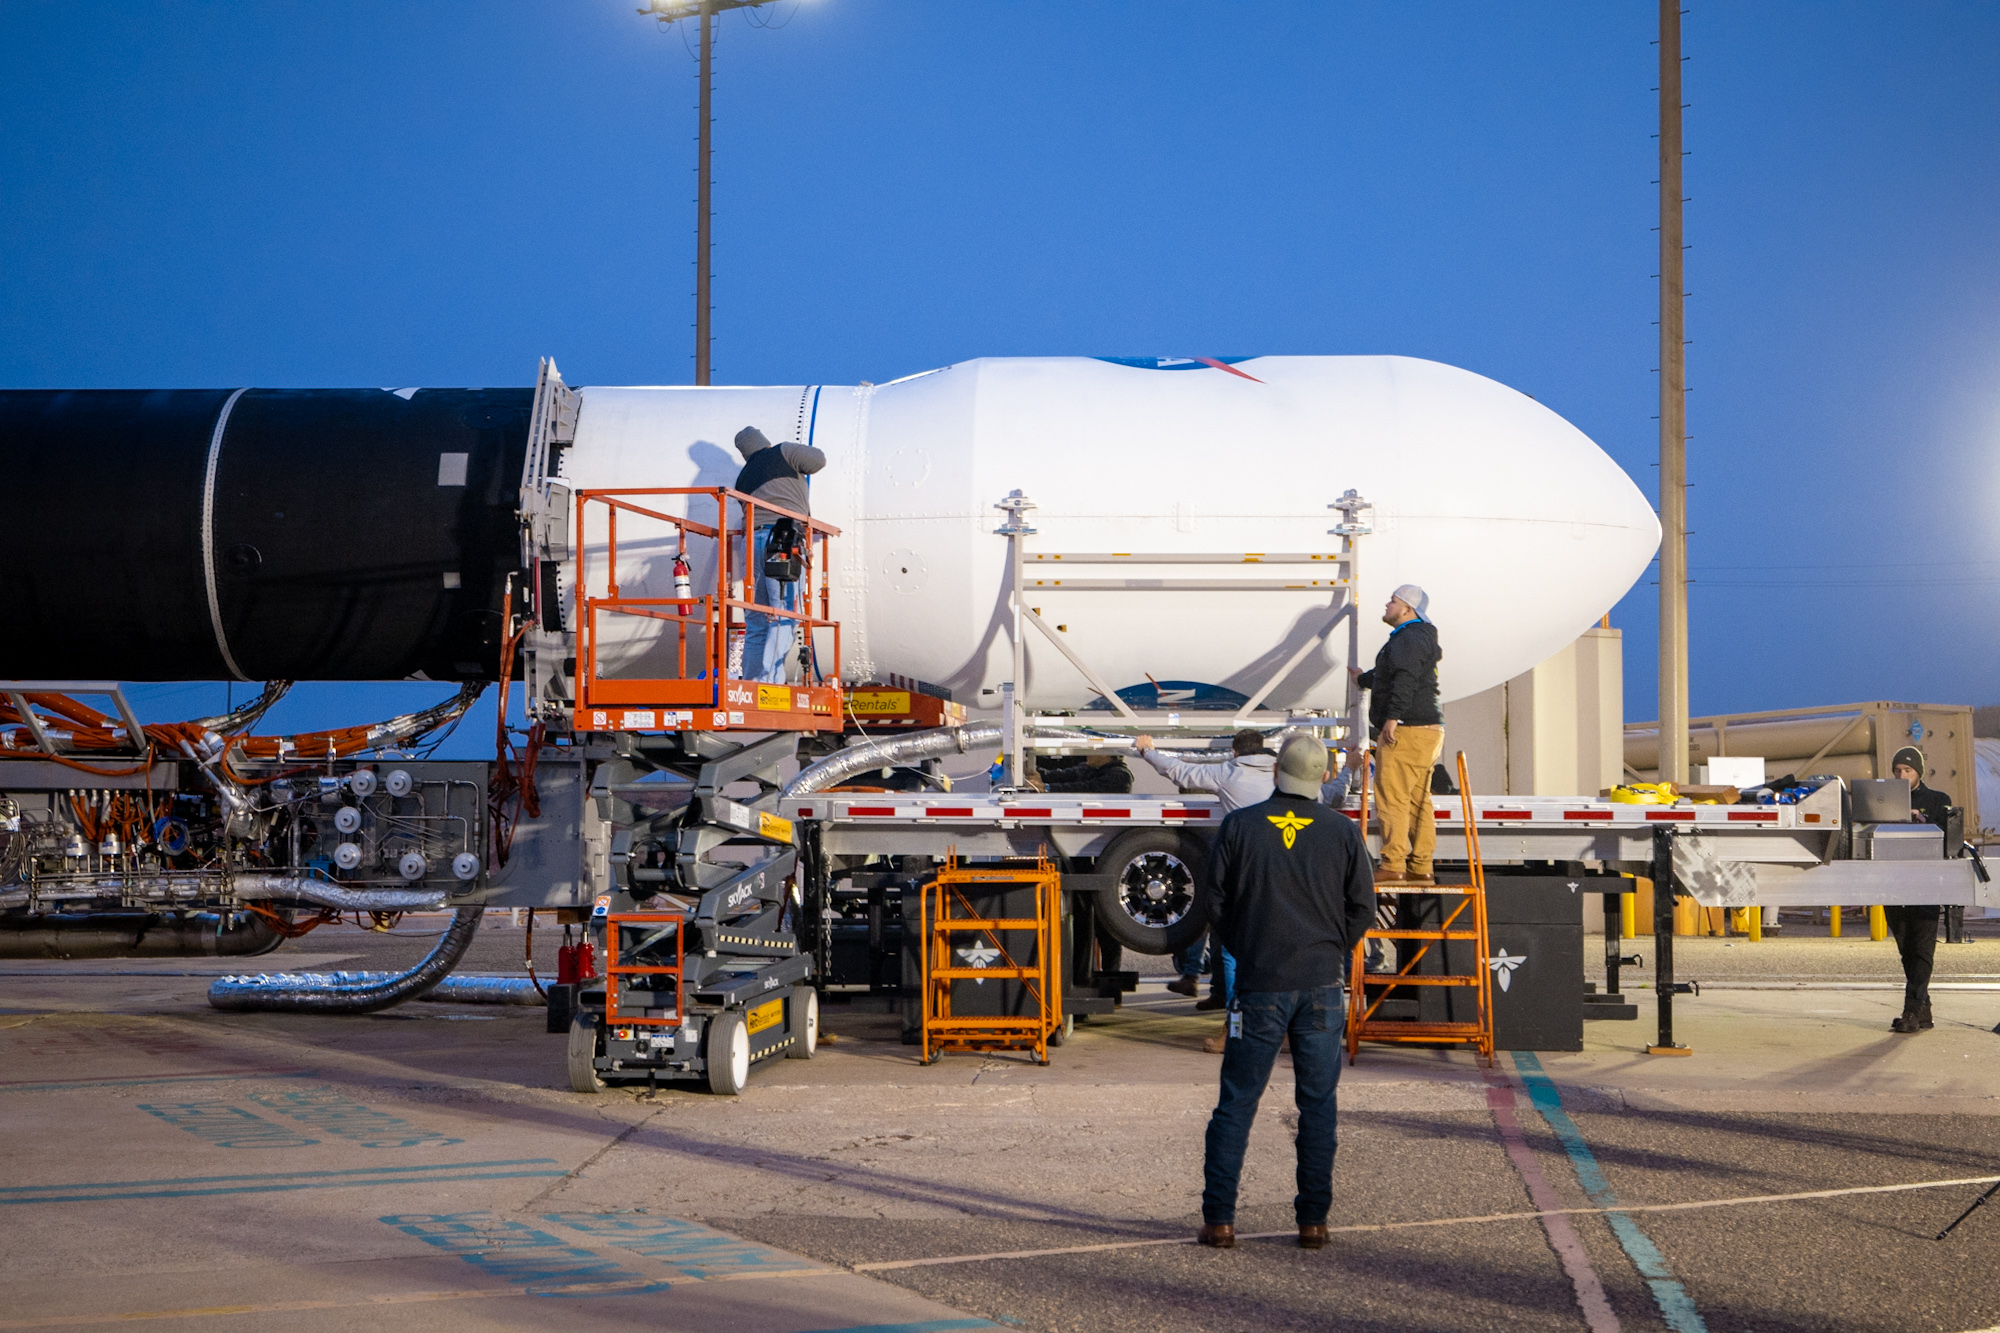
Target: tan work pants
(1403, 778)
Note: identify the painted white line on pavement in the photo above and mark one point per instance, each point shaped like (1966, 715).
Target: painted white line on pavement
(1534, 1216)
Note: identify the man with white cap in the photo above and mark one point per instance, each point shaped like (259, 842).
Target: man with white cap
(1408, 728)
(1289, 894)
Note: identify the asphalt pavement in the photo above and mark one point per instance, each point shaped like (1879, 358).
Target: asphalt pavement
(172, 1164)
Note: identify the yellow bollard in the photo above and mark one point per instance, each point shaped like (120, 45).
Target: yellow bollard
(1878, 924)
(1833, 923)
(1755, 916)
(1628, 915)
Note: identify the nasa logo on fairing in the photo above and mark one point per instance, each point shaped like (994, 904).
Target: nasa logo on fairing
(1226, 363)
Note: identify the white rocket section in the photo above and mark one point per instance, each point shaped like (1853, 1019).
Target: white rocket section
(1522, 530)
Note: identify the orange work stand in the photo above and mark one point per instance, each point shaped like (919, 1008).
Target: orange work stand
(948, 916)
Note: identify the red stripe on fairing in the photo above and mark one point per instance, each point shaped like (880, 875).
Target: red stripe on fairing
(1211, 361)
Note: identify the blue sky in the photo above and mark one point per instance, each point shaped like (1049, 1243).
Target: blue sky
(415, 193)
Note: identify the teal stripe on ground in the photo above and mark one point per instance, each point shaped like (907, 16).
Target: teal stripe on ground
(229, 1076)
(421, 1179)
(928, 1326)
(1676, 1306)
(265, 1182)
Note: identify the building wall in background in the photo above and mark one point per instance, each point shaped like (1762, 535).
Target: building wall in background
(1555, 730)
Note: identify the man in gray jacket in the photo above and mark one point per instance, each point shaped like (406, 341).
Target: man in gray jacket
(775, 474)
(1245, 778)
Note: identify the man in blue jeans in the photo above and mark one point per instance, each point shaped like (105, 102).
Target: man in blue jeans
(1290, 892)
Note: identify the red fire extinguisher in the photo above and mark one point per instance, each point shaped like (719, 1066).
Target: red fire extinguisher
(575, 962)
(683, 583)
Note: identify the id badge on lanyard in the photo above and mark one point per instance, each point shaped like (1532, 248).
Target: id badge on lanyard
(1235, 1019)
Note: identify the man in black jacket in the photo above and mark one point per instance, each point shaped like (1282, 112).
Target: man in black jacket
(1409, 734)
(1915, 928)
(1289, 895)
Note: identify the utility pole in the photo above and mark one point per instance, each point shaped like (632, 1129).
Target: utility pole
(668, 12)
(1673, 415)
(704, 202)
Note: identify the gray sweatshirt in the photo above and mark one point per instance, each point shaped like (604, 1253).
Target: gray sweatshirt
(762, 479)
(1239, 782)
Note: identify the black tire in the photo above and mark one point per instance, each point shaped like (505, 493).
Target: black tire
(728, 1053)
(583, 1053)
(1153, 904)
(1060, 1034)
(805, 1024)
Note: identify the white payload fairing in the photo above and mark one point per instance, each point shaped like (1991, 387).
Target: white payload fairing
(1520, 528)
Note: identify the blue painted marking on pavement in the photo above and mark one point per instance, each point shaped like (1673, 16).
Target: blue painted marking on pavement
(272, 1181)
(522, 1255)
(690, 1248)
(1676, 1306)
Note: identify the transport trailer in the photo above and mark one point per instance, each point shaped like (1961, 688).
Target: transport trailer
(1133, 864)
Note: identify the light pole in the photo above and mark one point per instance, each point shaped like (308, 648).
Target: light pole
(667, 12)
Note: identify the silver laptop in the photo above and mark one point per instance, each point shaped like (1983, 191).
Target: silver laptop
(1881, 801)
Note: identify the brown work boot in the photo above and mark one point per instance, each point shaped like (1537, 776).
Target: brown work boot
(1218, 1236)
(1905, 1023)
(1390, 877)
(1924, 1017)
(1312, 1236)
(1216, 1044)
(1414, 878)
(1188, 986)
(1215, 1001)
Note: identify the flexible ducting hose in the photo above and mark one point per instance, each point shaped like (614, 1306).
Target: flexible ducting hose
(838, 768)
(348, 992)
(325, 893)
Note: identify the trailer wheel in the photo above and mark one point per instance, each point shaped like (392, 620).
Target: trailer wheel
(805, 1024)
(583, 1053)
(728, 1053)
(1153, 904)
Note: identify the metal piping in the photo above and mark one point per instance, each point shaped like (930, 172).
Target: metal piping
(310, 889)
(349, 992)
(136, 935)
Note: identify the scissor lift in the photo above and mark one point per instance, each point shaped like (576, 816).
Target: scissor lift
(713, 981)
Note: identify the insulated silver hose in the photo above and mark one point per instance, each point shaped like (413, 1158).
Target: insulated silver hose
(838, 768)
(325, 893)
(348, 992)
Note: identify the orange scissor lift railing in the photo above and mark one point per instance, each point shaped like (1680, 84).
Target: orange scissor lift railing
(701, 696)
(655, 977)
(947, 914)
(1362, 1025)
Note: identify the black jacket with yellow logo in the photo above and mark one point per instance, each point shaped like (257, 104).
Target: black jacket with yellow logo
(1290, 891)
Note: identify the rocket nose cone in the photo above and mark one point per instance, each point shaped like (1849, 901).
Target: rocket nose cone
(1523, 530)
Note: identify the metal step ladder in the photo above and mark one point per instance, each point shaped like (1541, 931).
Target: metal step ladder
(1464, 921)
